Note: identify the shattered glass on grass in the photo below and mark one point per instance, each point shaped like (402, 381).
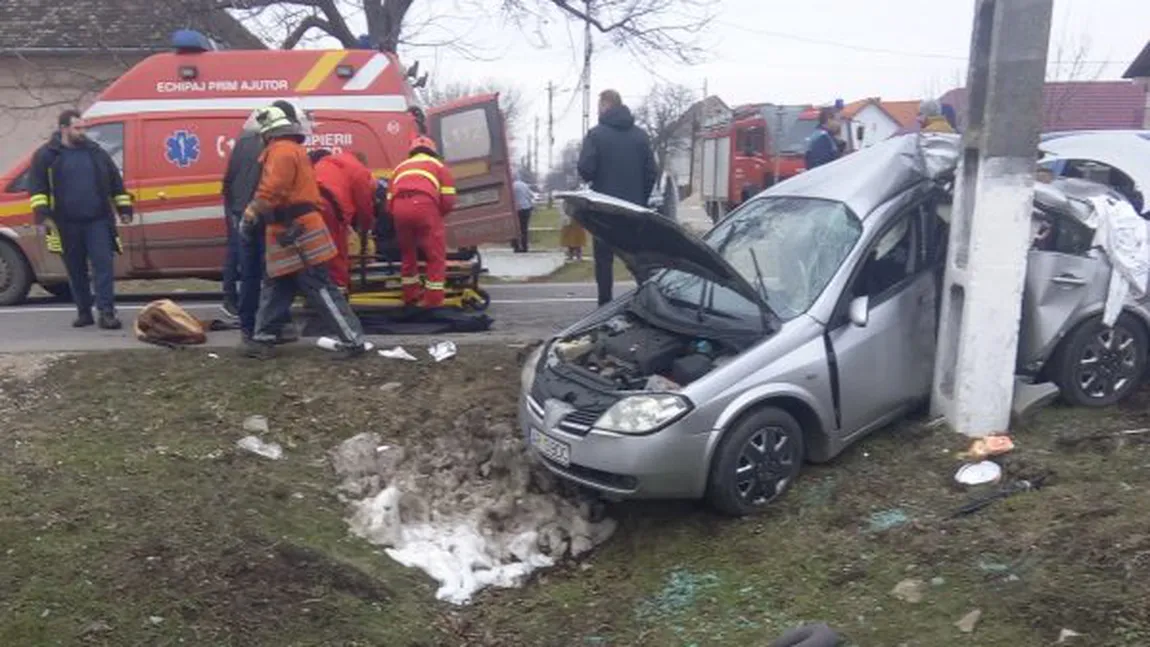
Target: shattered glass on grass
(680, 593)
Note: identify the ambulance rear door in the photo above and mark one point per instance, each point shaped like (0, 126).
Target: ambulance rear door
(473, 141)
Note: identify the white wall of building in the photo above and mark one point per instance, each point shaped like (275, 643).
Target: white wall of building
(876, 124)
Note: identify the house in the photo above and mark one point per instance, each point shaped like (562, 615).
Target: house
(869, 121)
(1139, 72)
(58, 55)
(1080, 105)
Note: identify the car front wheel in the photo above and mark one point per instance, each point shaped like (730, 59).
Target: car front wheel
(1099, 366)
(756, 462)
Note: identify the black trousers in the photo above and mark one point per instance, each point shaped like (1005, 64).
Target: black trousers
(524, 221)
(604, 271)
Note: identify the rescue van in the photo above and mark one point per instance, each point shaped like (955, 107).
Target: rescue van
(170, 124)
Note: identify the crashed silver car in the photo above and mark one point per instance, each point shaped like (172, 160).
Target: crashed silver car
(804, 320)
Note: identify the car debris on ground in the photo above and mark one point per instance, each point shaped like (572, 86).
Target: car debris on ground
(442, 351)
(254, 445)
(980, 473)
(1003, 493)
(399, 352)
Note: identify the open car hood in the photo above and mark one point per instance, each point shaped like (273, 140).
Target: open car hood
(648, 242)
(1127, 152)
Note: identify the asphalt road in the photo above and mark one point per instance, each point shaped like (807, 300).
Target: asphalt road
(522, 312)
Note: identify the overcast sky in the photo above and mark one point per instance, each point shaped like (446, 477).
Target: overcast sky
(788, 51)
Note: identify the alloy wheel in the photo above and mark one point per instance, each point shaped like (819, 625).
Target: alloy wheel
(1108, 363)
(765, 465)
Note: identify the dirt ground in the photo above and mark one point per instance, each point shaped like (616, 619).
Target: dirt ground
(128, 517)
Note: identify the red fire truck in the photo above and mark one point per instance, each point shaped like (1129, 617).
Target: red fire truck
(170, 123)
(759, 145)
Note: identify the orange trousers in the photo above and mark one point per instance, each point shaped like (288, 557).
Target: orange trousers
(338, 267)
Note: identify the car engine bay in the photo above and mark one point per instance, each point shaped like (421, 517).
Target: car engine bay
(627, 354)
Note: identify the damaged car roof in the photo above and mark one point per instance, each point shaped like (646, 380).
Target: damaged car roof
(866, 179)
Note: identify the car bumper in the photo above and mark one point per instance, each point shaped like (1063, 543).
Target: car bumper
(669, 464)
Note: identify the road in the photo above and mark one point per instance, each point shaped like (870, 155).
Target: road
(522, 312)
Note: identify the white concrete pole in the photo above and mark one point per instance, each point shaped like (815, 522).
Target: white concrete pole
(990, 222)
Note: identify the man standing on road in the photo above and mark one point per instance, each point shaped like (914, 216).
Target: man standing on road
(524, 204)
(616, 160)
(297, 244)
(824, 147)
(239, 187)
(75, 184)
(931, 119)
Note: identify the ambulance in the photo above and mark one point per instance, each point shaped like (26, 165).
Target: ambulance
(170, 124)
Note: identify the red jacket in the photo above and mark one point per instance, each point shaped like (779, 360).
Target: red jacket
(424, 174)
(351, 184)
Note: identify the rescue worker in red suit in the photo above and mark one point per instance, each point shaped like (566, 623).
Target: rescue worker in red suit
(420, 195)
(348, 190)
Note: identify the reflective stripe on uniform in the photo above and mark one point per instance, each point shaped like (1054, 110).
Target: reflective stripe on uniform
(435, 286)
(52, 241)
(123, 200)
(424, 157)
(39, 200)
(410, 280)
(447, 190)
(420, 172)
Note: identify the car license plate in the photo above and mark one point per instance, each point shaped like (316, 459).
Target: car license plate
(551, 448)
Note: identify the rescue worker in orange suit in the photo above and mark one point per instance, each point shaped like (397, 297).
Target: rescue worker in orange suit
(348, 190)
(420, 195)
(297, 243)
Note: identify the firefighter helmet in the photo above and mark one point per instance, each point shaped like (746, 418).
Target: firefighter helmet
(274, 122)
(423, 144)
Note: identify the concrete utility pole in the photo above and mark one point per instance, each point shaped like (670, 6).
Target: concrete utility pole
(587, 69)
(990, 223)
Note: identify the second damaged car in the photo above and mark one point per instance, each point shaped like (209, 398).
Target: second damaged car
(803, 321)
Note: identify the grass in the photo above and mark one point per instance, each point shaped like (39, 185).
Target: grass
(127, 517)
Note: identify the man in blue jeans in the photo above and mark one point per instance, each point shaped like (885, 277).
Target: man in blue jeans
(75, 186)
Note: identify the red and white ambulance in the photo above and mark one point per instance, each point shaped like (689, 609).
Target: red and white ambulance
(170, 124)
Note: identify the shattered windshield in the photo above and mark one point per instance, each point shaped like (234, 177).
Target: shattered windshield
(786, 248)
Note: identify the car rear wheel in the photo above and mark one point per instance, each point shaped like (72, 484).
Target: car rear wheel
(756, 462)
(1098, 366)
(15, 275)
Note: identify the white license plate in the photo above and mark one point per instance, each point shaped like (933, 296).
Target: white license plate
(551, 448)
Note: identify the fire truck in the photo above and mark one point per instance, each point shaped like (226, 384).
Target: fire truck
(170, 124)
(756, 147)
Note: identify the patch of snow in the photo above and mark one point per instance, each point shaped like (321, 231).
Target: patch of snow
(470, 508)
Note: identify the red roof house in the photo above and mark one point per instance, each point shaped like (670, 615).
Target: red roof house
(1090, 105)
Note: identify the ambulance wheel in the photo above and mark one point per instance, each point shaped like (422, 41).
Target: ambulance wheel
(15, 275)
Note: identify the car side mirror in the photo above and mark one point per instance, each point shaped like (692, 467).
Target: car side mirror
(859, 312)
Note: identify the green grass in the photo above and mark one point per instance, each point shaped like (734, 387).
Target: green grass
(122, 498)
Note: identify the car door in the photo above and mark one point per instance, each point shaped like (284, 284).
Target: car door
(886, 366)
(472, 139)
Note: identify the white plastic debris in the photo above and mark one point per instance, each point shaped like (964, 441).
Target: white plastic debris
(660, 383)
(256, 424)
(443, 350)
(257, 446)
(979, 473)
(333, 344)
(213, 355)
(1066, 635)
(1123, 235)
(399, 352)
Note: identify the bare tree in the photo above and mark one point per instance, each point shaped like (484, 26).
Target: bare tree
(298, 18)
(565, 175)
(661, 115)
(511, 102)
(645, 28)
(1071, 65)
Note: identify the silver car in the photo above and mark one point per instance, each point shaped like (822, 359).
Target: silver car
(803, 321)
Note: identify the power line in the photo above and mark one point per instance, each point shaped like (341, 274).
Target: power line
(883, 50)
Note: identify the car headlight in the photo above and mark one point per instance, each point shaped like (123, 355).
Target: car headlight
(527, 378)
(643, 414)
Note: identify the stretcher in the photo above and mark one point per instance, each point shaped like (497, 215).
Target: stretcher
(376, 283)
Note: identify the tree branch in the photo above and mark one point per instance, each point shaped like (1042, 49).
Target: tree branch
(307, 24)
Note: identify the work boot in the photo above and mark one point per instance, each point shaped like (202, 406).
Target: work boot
(257, 350)
(351, 351)
(108, 321)
(289, 334)
(83, 319)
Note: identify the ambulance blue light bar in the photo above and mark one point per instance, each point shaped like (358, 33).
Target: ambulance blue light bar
(191, 41)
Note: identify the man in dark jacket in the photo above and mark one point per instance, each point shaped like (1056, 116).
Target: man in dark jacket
(824, 146)
(239, 187)
(74, 183)
(616, 160)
